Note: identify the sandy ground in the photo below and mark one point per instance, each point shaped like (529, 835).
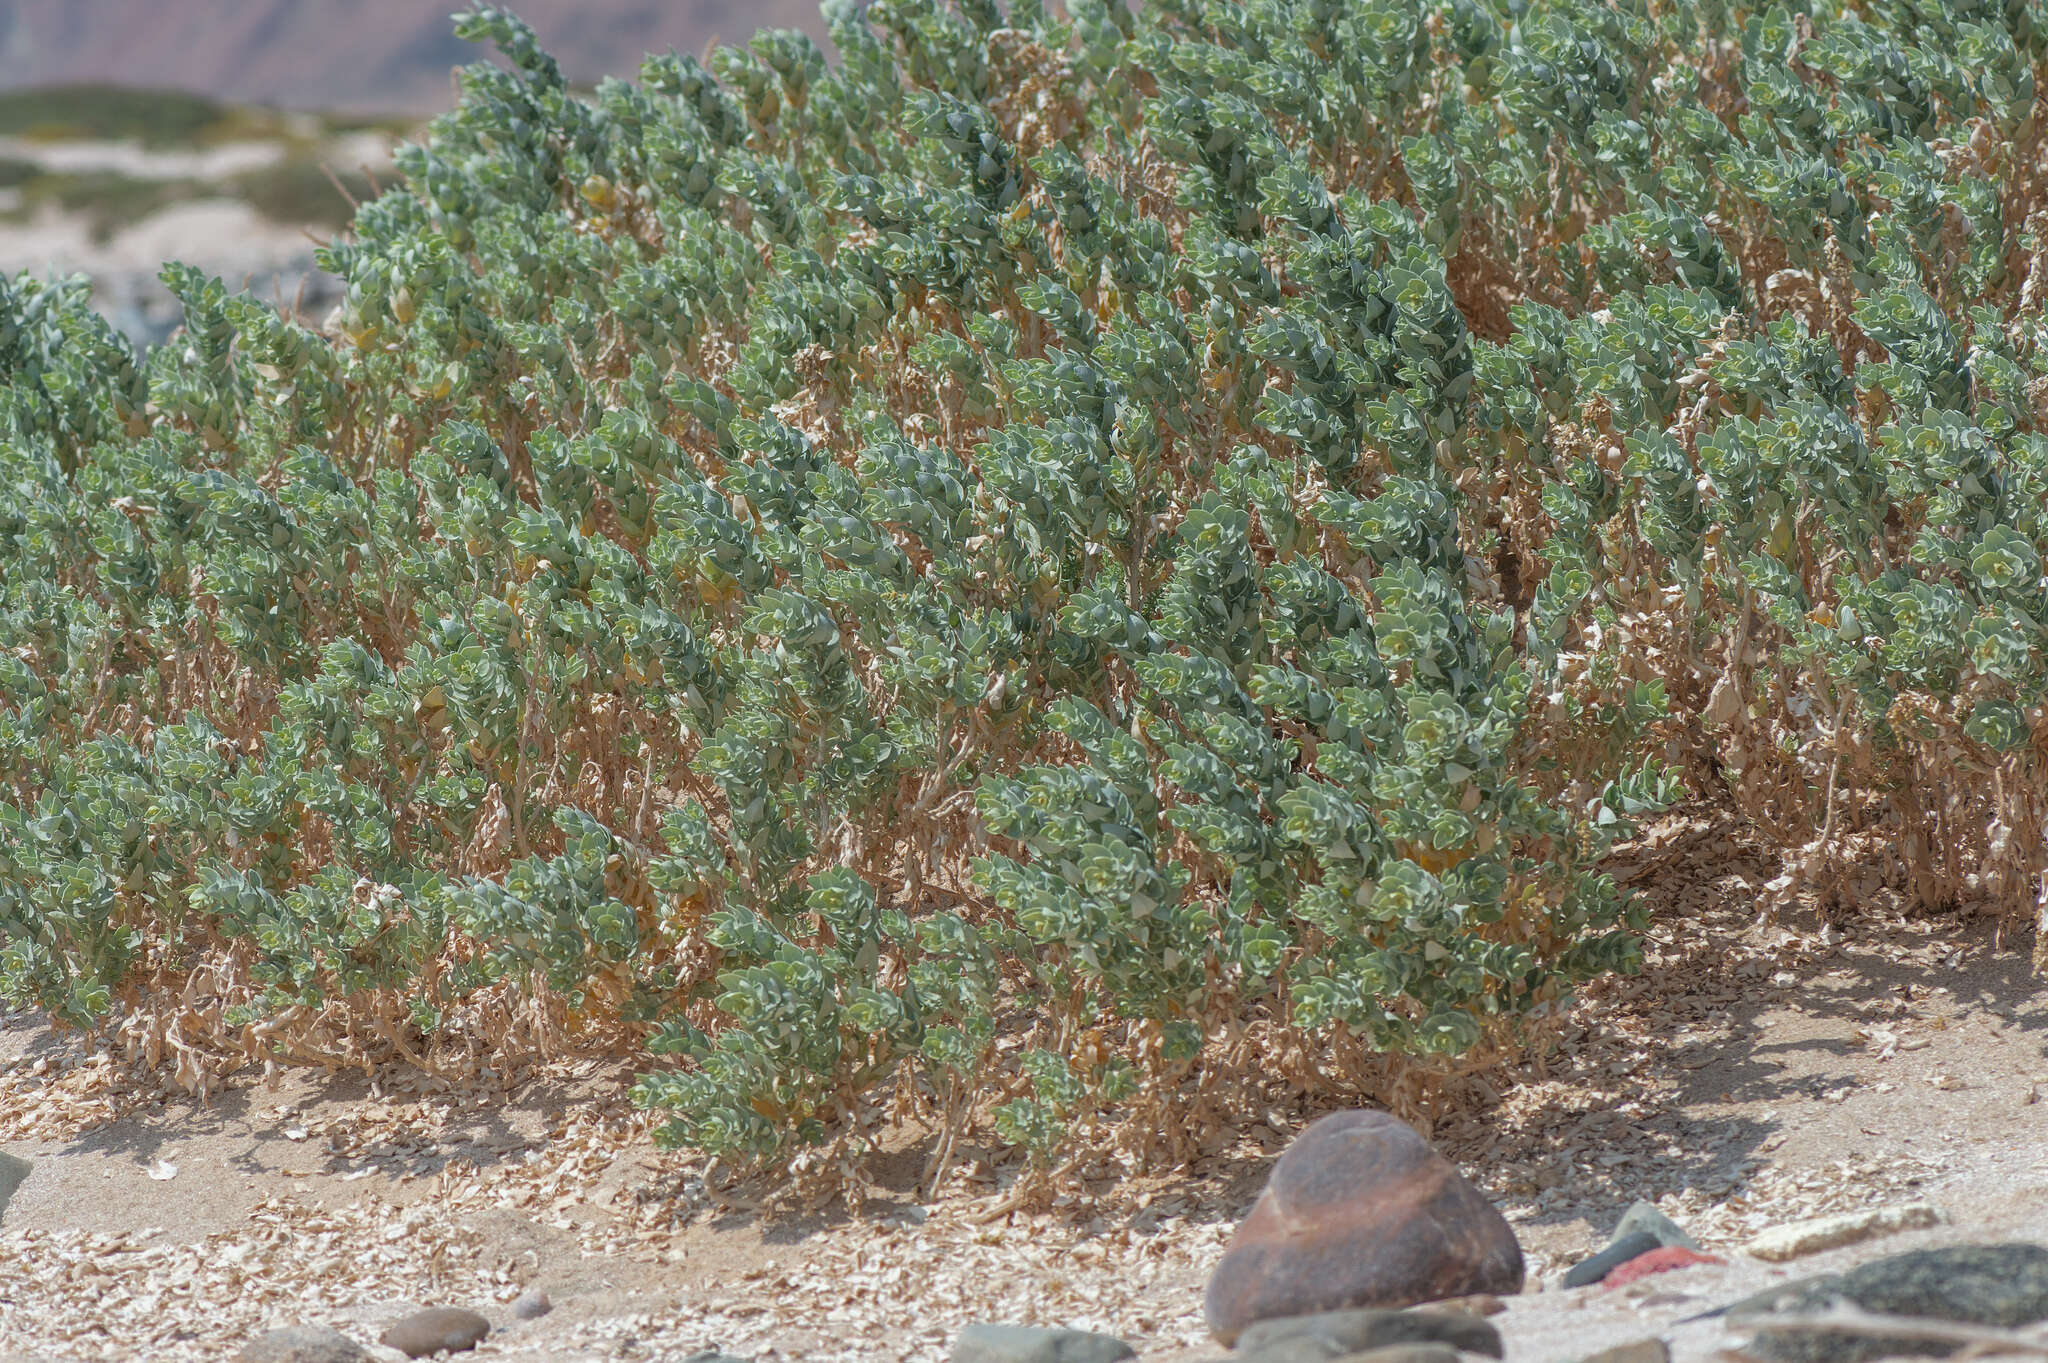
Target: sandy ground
(1739, 1082)
(223, 237)
(84, 157)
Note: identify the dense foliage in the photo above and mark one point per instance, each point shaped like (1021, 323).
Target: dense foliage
(1051, 555)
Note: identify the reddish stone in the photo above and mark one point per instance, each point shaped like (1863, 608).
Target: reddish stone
(1359, 1211)
(1656, 1261)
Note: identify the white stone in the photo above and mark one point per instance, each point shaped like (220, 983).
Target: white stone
(1827, 1232)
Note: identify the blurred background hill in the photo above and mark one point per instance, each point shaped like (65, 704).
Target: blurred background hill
(234, 134)
(348, 56)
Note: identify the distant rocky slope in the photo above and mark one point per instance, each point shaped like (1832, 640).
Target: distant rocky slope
(345, 54)
(113, 181)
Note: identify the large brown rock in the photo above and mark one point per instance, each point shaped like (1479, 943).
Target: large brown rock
(1359, 1211)
(438, 1329)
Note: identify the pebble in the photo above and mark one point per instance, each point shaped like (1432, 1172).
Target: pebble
(1644, 1216)
(1334, 1334)
(1780, 1243)
(1998, 1285)
(1033, 1344)
(531, 1304)
(1597, 1268)
(1359, 1211)
(302, 1344)
(435, 1329)
(1660, 1260)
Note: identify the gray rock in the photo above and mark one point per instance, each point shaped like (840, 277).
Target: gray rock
(1642, 1351)
(712, 1356)
(531, 1304)
(436, 1329)
(1619, 1252)
(1424, 1351)
(1998, 1285)
(1335, 1334)
(13, 1170)
(1031, 1344)
(1644, 1217)
(302, 1344)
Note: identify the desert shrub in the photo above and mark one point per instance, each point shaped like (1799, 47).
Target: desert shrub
(1054, 560)
(157, 117)
(108, 201)
(301, 191)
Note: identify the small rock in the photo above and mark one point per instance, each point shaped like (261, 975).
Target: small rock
(1422, 1351)
(1359, 1211)
(435, 1329)
(1642, 1351)
(1998, 1285)
(1644, 1216)
(1661, 1260)
(302, 1344)
(531, 1304)
(1335, 1334)
(1032, 1344)
(1597, 1268)
(1780, 1243)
